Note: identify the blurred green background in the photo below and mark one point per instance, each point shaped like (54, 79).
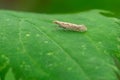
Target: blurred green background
(60, 6)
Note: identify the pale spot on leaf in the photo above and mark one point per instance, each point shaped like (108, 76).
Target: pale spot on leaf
(7, 19)
(50, 53)
(99, 42)
(97, 67)
(84, 47)
(37, 35)
(83, 53)
(50, 65)
(27, 35)
(69, 68)
(41, 53)
(46, 42)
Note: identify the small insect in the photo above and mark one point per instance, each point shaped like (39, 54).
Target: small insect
(71, 26)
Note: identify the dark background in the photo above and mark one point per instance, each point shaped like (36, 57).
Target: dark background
(60, 6)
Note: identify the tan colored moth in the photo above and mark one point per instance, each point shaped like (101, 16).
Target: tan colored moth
(71, 26)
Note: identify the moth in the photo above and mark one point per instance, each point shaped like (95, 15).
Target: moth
(71, 26)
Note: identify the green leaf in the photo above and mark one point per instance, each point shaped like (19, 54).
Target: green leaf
(35, 49)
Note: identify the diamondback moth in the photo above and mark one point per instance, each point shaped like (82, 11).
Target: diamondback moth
(71, 26)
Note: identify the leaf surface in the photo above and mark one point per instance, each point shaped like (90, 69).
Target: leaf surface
(36, 49)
